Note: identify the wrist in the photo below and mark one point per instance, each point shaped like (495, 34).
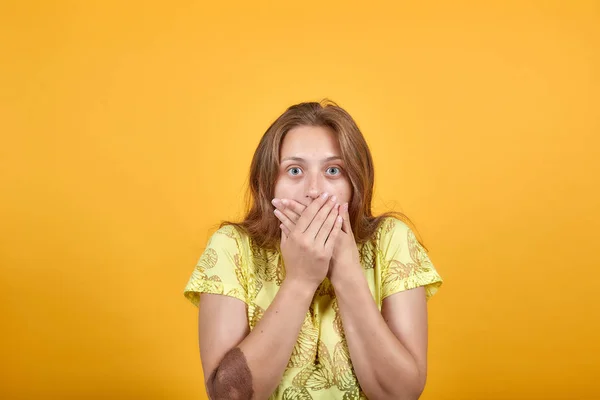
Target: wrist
(348, 277)
(300, 288)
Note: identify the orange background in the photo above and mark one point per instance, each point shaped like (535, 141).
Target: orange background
(127, 133)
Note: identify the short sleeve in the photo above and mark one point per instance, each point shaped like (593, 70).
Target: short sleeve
(219, 269)
(404, 262)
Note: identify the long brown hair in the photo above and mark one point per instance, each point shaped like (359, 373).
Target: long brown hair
(264, 170)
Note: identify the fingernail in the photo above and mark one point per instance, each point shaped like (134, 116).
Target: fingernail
(324, 195)
(334, 198)
(345, 208)
(274, 202)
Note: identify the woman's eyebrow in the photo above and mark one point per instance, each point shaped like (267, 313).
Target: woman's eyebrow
(300, 159)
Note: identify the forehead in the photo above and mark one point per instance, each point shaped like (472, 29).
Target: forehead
(309, 142)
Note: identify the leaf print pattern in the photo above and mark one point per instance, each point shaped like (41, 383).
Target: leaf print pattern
(213, 285)
(296, 393)
(255, 313)
(237, 293)
(367, 255)
(408, 271)
(280, 273)
(208, 260)
(326, 288)
(214, 271)
(397, 273)
(319, 375)
(305, 348)
(418, 254)
(325, 373)
(354, 394)
(344, 373)
(241, 275)
(320, 366)
(204, 283)
(337, 321)
(265, 263)
(228, 231)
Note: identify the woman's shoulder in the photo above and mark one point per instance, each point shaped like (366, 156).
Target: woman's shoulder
(394, 233)
(391, 226)
(231, 231)
(228, 235)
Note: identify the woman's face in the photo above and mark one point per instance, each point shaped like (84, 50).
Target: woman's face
(310, 164)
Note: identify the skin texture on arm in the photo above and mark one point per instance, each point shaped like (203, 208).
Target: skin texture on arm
(388, 349)
(218, 333)
(250, 365)
(236, 383)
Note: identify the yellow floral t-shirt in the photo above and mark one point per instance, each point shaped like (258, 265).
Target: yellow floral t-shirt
(320, 366)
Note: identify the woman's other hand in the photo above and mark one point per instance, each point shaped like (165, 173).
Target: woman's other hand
(307, 242)
(345, 252)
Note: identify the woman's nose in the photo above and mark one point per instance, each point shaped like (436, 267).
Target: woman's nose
(312, 193)
(313, 187)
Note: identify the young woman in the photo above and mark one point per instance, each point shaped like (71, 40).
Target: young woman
(311, 296)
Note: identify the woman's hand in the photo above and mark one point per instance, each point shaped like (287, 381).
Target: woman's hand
(345, 257)
(307, 243)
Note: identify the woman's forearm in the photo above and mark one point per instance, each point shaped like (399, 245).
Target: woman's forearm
(384, 367)
(257, 364)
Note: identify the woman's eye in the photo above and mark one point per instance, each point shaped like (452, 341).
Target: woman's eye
(294, 171)
(333, 170)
